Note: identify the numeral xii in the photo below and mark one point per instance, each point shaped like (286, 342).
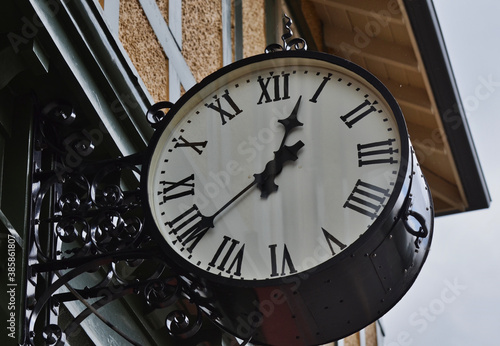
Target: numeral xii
(279, 88)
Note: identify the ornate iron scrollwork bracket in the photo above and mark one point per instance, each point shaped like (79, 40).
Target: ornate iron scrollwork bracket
(288, 44)
(88, 247)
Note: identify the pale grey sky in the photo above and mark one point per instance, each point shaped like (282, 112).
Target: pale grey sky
(456, 299)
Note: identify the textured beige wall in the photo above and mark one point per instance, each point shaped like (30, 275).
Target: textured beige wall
(352, 340)
(254, 30)
(201, 39)
(371, 335)
(202, 36)
(144, 50)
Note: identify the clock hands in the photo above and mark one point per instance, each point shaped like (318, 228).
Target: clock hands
(265, 180)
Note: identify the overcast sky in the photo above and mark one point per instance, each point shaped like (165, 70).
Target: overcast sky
(456, 299)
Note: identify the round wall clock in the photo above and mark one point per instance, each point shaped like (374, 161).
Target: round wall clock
(284, 190)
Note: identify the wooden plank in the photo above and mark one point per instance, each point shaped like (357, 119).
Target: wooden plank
(410, 96)
(358, 43)
(444, 190)
(386, 11)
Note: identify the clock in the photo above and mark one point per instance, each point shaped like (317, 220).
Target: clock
(284, 190)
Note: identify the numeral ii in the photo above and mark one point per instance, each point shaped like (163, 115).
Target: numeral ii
(358, 113)
(177, 189)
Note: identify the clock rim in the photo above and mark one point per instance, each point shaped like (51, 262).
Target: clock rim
(184, 267)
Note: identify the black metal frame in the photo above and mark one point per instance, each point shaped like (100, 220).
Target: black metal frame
(87, 220)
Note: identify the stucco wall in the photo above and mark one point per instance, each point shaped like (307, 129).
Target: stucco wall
(201, 39)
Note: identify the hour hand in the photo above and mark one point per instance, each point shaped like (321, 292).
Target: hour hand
(291, 122)
(265, 180)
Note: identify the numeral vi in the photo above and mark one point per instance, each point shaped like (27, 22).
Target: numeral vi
(285, 263)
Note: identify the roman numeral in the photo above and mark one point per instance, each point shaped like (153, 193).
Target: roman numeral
(182, 188)
(382, 150)
(358, 113)
(190, 227)
(320, 88)
(276, 90)
(230, 114)
(366, 199)
(285, 263)
(182, 142)
(237, 258)
(331, 239)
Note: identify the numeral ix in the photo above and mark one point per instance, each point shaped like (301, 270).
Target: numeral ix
(182, 188)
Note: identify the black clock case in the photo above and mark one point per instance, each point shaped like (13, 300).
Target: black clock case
(333, 301)
(340, 296)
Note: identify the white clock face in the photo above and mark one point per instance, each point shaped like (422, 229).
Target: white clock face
(241, 195)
